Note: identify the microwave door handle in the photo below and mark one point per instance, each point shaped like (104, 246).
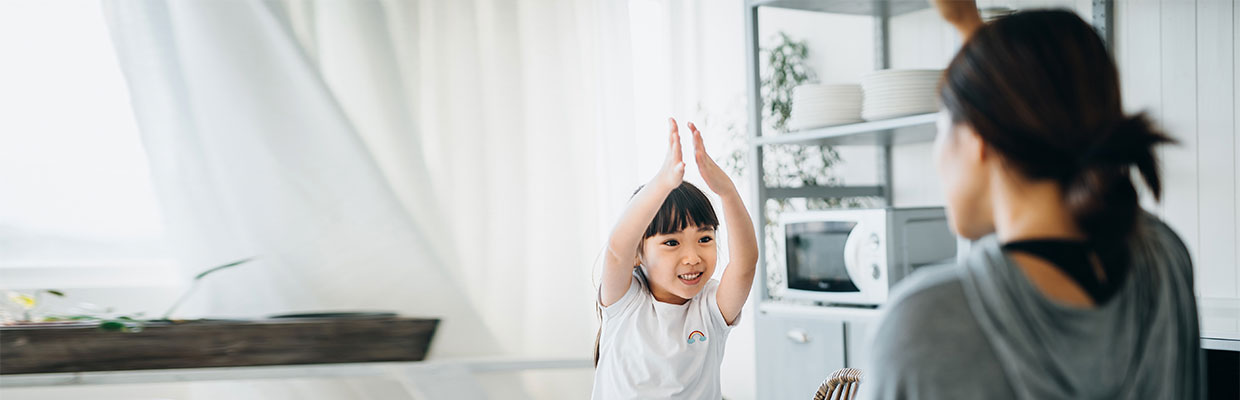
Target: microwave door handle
(852, 247)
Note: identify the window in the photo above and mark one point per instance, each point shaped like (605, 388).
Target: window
(76, 196)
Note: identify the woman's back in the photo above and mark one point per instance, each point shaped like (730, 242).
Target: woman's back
(983, 330)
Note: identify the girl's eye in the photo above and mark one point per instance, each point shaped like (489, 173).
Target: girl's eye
(705, 239)
(671, 243)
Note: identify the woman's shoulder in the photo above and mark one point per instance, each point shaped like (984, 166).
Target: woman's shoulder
(927, 299)
(1156, 243)
(1152, 230)
(927, 333)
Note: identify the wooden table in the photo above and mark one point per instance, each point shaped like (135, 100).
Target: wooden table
(83, 347)
(211, 350)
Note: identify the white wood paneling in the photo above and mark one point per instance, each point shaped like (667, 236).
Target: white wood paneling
(1216, 148)
(1136, 26)
(1177, 61)
(1179, 119)
(1235, 127)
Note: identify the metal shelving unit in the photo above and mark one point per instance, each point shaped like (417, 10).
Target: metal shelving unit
(884, 133)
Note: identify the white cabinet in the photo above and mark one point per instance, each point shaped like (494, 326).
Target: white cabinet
(795, 354)
(800, 346)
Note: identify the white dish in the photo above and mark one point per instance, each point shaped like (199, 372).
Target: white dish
(826, 115)
(815, 125)
(818, 120)
(877, 117)
(900, 73)
(827, 86)
(826, 111)
(814, 119)
(900, 108)
(899, 100)
(901, 90)
(902, 86)
(836, 98)
(879, 113)
(827, 100)
(907, 104)
(808, 120)
(910, 78)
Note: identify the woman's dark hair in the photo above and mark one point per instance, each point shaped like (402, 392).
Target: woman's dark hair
(684, 207)
(1041, 90)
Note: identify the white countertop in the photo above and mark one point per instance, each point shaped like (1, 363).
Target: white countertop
(1220, 323)
(822, 311)
(1219, 318)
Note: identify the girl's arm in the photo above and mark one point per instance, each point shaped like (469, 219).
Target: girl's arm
(622, 246)
(742, 242)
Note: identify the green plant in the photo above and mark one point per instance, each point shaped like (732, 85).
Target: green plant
(197, 280)
(82, 312)
(105, 318)
(787, 68)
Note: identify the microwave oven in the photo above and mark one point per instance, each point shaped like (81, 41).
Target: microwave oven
(855, 256)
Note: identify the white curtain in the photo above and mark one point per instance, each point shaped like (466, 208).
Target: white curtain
(256, 154)
(543, 117)
(459, 159)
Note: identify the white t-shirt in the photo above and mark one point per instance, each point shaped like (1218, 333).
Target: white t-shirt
(655, 350)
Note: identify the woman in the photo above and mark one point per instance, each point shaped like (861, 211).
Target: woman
(1070, 290)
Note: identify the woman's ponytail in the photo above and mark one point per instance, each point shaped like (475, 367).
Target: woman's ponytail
(1099, 191)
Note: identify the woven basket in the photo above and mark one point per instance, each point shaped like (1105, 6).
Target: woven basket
(842, 385)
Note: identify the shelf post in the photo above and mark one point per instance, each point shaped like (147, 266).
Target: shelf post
(882, 54)
(1103, 19)
(757, 207)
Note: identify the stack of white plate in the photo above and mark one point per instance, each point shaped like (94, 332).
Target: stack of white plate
(822, 105)
(897, 92)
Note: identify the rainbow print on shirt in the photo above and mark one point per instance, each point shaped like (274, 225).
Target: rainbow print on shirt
(697, 336)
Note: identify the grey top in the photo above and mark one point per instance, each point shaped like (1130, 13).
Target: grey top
(981, 330)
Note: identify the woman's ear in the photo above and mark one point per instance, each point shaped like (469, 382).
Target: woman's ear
(971, 144)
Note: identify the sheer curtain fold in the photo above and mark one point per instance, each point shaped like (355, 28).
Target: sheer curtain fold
(258, 149)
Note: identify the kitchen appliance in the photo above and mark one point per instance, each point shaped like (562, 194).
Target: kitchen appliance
(855, 256)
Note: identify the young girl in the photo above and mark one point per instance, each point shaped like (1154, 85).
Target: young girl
(665, 321)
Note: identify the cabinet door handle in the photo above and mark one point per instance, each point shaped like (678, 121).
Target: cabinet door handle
(798, 336)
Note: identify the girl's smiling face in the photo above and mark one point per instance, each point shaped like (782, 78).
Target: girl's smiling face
(679, 264)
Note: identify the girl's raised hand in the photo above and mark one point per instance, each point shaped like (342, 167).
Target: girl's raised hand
(714, 176)
(673, 171)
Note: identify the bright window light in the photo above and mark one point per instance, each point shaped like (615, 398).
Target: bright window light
(74, 185)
